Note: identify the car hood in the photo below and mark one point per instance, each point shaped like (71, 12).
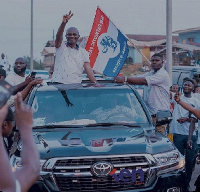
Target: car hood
(86, 142)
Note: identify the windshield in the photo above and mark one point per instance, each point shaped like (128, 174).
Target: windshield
(87, 106)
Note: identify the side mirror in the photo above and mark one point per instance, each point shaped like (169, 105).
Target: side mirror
(163, 117)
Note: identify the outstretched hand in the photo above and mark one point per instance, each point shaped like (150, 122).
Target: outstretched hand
(29, 79)
(67, 17)
(177, 96)
(23, 114)
(119, 79)
(36, 81)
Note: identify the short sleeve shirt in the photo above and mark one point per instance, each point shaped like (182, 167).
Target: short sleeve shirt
(69, 64)
(156, 94)
(179, 111)
(15, 79)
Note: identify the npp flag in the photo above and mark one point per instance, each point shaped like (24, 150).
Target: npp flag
(106, 45)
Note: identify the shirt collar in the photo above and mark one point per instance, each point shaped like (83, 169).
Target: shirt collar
(77, 46)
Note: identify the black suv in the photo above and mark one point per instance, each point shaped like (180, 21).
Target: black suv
(94, 138)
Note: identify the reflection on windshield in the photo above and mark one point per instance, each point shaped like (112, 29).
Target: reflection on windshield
(87, 106)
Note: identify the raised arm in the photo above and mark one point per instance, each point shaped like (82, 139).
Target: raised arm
(59, 35)
(30, 170)
(7, 179)
(22, 85)
(194, 111)
(131, 80)
(29, 86)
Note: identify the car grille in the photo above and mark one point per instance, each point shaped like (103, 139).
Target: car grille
(90, 161)
(75, 174)
(90, 184)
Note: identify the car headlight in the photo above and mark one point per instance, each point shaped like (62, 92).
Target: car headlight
(169, 161)
(16, 163)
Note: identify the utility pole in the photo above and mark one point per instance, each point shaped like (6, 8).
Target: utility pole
(31, 49)
(169, 38)
(53, 35)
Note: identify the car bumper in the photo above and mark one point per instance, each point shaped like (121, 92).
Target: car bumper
(169, 182)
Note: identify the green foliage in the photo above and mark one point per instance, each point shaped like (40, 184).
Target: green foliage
(36, 64)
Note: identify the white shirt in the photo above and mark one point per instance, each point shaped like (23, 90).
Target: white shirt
(156, 95)
(179, 111)
(69, 64)
(15, 79)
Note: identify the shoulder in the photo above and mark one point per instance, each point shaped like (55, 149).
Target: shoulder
(163, 72)
(10, 75)
(83, 50)
(62, 46)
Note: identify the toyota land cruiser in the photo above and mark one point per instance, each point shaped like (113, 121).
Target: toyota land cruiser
(94, 138)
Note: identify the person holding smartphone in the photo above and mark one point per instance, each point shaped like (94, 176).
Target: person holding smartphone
(18, 78)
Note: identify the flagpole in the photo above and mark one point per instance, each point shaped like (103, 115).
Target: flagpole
(31, 48)
(127, 38)
(139, 51)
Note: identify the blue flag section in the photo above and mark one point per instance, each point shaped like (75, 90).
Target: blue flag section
(115, 64)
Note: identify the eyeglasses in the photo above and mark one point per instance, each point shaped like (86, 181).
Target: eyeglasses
(21, 63)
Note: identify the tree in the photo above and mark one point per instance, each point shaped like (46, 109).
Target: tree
(36, 64)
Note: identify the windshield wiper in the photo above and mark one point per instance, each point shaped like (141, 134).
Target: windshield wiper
(112, 124)
(58, 126)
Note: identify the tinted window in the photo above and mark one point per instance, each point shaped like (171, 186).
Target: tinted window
(177, 77)
(182, 76)
(87, 106)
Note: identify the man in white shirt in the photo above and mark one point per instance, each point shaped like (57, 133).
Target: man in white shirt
(180, 127)
(17, 78)
(156, 92)
(71, 59)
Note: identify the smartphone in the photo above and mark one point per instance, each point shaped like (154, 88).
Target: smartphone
(33, 74)
(6, 90)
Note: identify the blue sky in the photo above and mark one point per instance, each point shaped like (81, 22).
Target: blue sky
(130, 16)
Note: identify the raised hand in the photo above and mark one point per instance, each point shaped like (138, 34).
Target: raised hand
(23, 115)
(67, 17)
(36, 81)
(29, 79)
(177, 96)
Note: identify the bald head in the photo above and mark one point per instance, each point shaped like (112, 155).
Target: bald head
(20, 66)
(72, 29)
(72, 36)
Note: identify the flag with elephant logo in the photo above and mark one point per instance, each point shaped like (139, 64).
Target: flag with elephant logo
(106, 45)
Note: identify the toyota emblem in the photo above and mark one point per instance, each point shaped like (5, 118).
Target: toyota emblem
(101, 169)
